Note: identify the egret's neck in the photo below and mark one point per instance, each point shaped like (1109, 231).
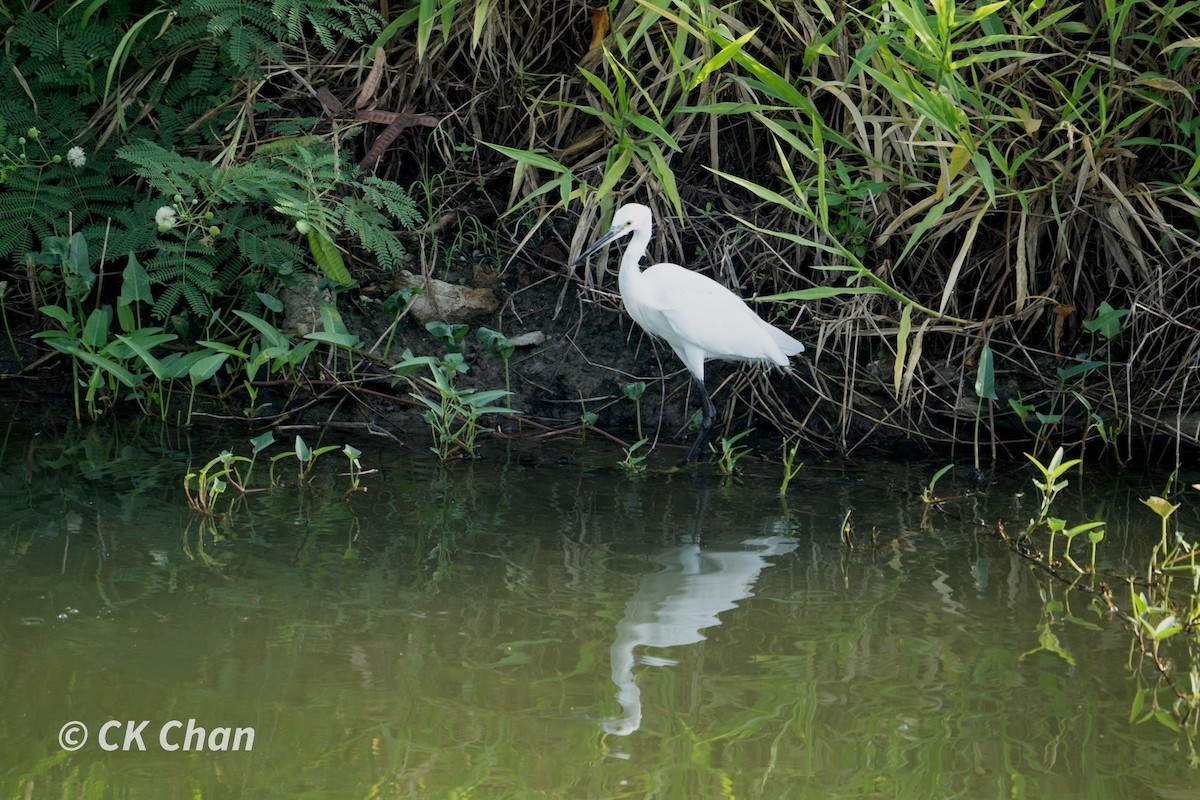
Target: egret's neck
(632, 259)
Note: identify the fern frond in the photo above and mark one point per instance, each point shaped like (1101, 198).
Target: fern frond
(165, 170)
(392, 199)
(373, 234)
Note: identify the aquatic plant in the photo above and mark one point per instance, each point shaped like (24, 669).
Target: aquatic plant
(634, 465)
(731, 453)
(453, 413)
(227, 470)
(500, 346)
(928, 494)
(791, 468)
(634, 390)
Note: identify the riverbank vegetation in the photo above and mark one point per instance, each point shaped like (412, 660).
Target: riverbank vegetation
(982, 219)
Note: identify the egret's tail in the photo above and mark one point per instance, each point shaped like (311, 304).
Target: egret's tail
(787, 344)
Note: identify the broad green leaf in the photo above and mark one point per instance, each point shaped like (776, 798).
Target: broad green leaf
(135, 284)
(139, 345)
(985, 375)
(95, 330)
(204, 368)
(262, 442)
(302, 451)
(1160, 506)
(272, 336)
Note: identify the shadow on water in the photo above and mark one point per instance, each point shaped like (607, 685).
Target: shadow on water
(519, 627)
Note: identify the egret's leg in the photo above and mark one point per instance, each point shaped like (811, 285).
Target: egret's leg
(706, 421)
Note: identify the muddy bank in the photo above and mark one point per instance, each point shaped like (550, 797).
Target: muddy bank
(579, 350)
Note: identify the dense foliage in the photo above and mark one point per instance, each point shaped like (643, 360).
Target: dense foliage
(989, 213)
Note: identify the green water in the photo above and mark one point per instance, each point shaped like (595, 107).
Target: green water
(539, 625)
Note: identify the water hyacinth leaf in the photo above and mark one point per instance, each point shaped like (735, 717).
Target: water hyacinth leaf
(985, 375)
(302, 450)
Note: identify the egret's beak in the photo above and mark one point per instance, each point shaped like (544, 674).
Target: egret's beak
(608, 236)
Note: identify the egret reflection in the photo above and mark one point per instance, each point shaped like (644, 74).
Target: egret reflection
(674, 604)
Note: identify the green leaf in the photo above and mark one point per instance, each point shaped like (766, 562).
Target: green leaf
(901, 347)
(302, 451)
(95, 331)
(722, 58)
(108, 365)
(1078, 369)
(327, 256)
(346, 340)
(270, 302)
(985, 376)
(272, 336)
(615, 171)
(1167, 628)
(496, 343)
(1107, 321)
(1139, 700)
(138, 344)
(135, 284)
(204, 368)
(1160, 506)
(531, 158)
(262, 442)
(59, 315)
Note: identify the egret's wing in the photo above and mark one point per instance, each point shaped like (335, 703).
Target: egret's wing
(697, 312)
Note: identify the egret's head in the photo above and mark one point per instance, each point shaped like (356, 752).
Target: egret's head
(629, 217)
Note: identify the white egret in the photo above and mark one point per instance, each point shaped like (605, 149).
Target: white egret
(699, 318)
